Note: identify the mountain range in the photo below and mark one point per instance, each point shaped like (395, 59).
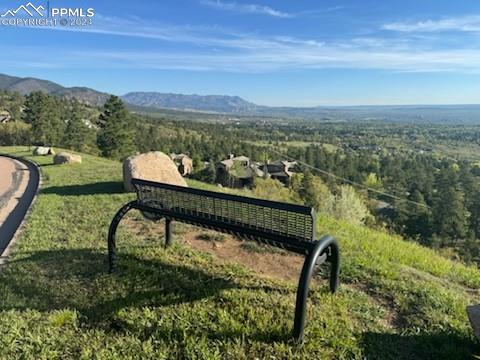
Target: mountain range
(208, 103)
(150, 101)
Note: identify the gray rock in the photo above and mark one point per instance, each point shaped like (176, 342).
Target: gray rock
(153, 166)
(67, 158)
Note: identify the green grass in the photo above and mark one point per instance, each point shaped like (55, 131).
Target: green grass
(397, 299)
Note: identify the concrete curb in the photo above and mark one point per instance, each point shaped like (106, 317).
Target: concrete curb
(35, 182)
(17, 179)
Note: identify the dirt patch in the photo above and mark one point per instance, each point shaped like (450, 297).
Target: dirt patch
(278, 265)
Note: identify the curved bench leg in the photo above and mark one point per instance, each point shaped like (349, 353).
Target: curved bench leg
(111, 233)
(304, 284)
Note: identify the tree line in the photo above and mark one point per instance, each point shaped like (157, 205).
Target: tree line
(443, 207)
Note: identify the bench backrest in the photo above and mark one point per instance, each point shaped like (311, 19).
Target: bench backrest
(273, 220)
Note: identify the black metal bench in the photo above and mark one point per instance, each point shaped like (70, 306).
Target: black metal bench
(287, 226)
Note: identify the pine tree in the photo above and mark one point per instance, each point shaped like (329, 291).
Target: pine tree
(474, 209)
(418, 223)
(77, 132)
(450, 213)
(43, 111)
(115, 139)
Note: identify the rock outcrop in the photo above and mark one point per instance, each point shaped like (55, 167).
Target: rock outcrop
(67, 158)
(153, 166)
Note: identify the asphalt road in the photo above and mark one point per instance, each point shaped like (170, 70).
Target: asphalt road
(18, 186)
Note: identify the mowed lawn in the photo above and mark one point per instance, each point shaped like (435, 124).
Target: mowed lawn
(57, 300)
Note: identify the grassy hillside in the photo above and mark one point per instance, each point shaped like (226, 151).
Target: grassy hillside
(397, 299)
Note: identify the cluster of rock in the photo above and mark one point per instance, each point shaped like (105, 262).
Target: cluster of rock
(154, 166)
(60, 158)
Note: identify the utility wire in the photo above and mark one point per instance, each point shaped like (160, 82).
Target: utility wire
(353, 183)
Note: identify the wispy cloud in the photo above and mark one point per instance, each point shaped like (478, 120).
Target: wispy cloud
(212, 48)
(281, 57)
(245, 8)
(461, 23)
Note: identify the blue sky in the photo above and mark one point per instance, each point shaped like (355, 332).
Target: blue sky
(297, 53)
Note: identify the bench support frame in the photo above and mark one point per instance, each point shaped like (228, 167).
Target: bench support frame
(325, 249)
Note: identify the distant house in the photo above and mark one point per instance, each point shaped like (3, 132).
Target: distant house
(279, 170)
(239, 171)
(183, 162)
(236, 171)
(5, 117)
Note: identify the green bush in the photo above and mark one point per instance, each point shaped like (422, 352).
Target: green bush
(15, 133)
(273, 190)
(348, 205)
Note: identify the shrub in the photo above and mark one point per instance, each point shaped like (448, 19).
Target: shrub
(350, 206)
(15, 133)
(273, 190)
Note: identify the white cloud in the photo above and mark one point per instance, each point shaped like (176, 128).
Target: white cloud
(203, 48)
(296, 57)
(461, 23)
(245, 8)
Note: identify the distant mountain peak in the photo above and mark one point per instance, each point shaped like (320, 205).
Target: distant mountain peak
(27, 85)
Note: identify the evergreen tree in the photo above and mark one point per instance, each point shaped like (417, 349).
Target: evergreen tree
(43, 112)
(418, 223)
(211, 172)
(115, 138)
(450, 213)
(77, 132)
(315, 193)
(474, 209)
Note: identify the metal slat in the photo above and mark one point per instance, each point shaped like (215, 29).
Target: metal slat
(262, 216)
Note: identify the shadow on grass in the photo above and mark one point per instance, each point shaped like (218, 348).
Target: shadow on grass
(423, 346)
(78, 279)
(107, 187)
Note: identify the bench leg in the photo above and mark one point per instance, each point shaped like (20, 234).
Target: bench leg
(112, 231)
(304, 284)
(168, 232)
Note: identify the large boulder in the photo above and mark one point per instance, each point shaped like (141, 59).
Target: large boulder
(473, 313)
(43, 150)
(67, 158)
(153, 166)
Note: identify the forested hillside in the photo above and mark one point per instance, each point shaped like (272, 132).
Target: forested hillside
(420, 181)
(25, 86)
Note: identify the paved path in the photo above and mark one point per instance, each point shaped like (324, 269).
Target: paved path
(18, 186)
